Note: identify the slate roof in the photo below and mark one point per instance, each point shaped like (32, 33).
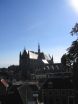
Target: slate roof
(35, 55)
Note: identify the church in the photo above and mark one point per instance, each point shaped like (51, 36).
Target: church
(38, 64)
(31, 62)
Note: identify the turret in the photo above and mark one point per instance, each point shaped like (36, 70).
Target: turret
(52, 60)
(24, 52)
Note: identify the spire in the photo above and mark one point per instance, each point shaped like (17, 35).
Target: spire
(28, 55)
(24, 52)
(20, 54)
(52, 59)
(38, 48)
(24, 48)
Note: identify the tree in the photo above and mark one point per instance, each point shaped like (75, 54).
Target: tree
(73, 51)
(71, 57)
(66, 62)
(74, 30)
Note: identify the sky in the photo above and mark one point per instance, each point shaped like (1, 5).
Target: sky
(25, 23)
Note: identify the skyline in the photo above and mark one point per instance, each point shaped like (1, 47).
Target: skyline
(25, 23)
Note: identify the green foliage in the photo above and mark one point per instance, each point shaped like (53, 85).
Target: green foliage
(73, 50)
(74, 30)
(66, 60)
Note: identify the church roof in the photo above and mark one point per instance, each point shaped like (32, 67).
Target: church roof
(33, 55)
(37, 56)
(44, 61)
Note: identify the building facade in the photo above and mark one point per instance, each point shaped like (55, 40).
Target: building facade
(31, 62)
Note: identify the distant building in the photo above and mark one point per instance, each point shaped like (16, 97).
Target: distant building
(31, 61)
(34, 65)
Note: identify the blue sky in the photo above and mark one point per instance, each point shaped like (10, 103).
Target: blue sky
(24, 23)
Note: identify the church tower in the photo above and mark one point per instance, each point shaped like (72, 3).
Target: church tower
(38, 48)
